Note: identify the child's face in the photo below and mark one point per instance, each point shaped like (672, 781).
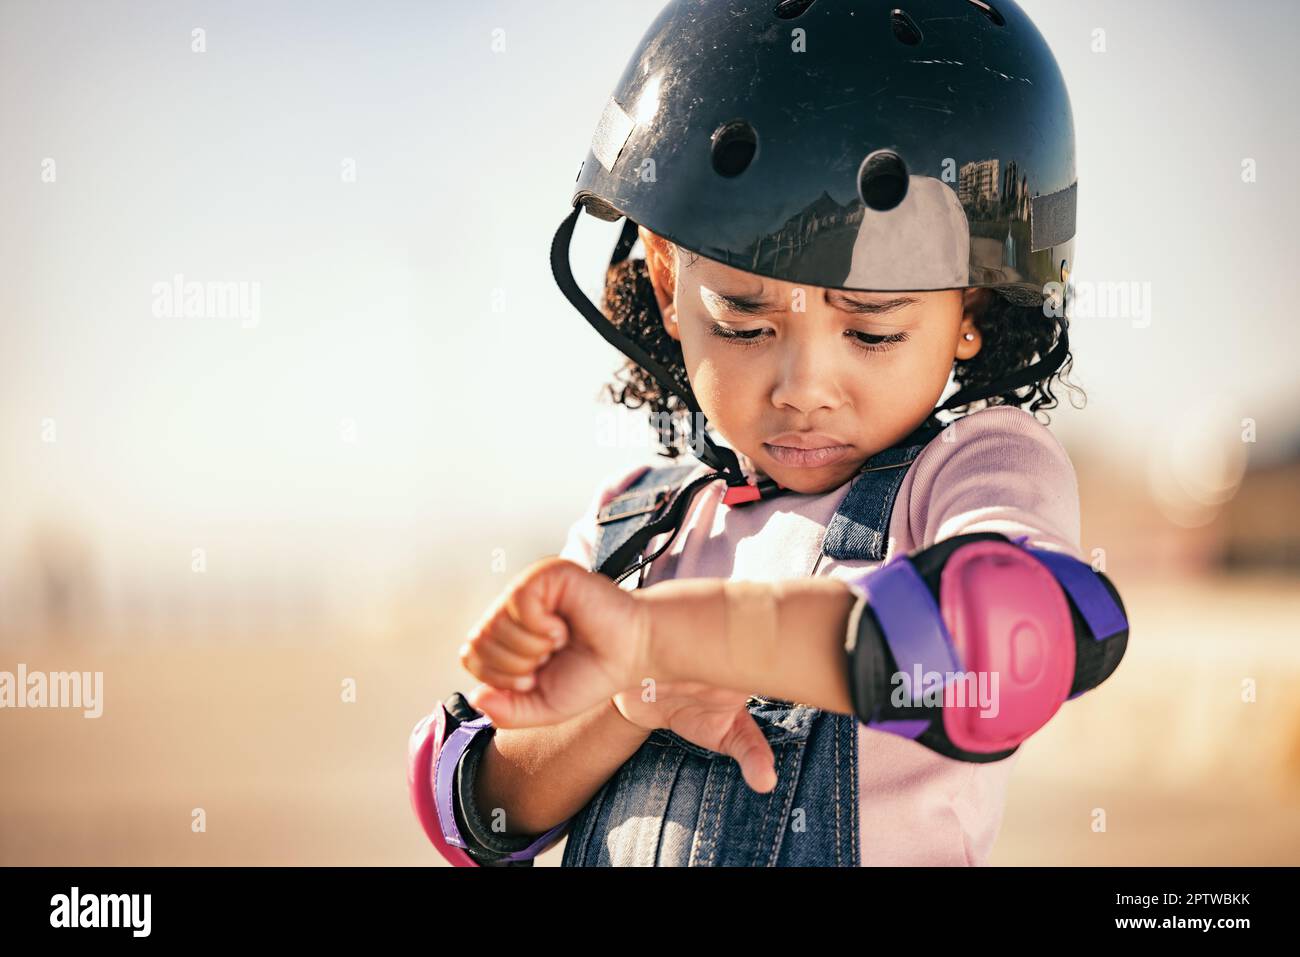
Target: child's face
(860, 369)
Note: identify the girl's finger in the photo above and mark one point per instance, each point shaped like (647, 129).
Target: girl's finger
(531, 606)
(474, 661)
(497, 649)
(748, 745)
(518, 640)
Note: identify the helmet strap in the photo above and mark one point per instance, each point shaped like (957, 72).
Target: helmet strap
(718, 457)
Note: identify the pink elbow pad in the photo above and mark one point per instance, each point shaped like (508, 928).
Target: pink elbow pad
(425, 746)
(435, 748)
(970, 646)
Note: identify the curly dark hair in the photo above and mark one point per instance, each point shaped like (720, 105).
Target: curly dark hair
(1013, 337)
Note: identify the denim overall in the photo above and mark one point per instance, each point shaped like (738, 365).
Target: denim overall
(673, 803)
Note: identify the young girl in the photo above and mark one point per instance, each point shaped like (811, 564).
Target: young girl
(842, 207)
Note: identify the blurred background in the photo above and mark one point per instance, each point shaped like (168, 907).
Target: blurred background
(239, 514)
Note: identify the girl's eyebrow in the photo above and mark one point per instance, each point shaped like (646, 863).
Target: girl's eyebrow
(756, 305)
(876, 308)
(750, 305)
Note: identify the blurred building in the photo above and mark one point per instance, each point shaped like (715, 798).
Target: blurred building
(1259, 528)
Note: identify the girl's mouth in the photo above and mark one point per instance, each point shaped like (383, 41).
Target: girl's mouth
(807, 458)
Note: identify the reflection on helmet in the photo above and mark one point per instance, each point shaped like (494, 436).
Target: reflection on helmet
(923, 243)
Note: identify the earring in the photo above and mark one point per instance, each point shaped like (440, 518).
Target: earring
(970, 337)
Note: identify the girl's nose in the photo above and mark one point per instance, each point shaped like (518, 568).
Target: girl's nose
(806, 378)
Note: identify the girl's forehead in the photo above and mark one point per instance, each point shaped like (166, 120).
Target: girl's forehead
(709, 271)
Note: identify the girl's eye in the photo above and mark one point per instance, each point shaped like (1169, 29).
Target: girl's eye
(878, 343)
(863, 340)
(738, 336)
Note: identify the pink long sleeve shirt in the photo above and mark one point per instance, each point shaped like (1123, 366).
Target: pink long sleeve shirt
(996, 470)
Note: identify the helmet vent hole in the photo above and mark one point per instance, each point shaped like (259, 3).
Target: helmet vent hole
(882, 180)
(989, 11)
(905, 28)
(734, 146)
(792, 9)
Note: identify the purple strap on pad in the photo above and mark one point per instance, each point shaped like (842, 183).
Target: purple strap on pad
(910, 620)
(1090, 596)
(444, 782)
(915, 632)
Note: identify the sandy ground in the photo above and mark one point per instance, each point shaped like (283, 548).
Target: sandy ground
(286, 772)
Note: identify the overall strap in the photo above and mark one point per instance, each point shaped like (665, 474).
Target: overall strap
(627, 513)
(859, 529)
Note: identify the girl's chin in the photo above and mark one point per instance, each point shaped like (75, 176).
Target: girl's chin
(813, 481)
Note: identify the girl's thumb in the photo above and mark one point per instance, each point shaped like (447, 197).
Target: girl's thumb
(492, 702)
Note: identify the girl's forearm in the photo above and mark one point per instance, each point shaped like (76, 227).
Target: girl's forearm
(801, 658)
(542, 776)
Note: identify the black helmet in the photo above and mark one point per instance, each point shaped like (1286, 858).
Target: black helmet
(908, 145)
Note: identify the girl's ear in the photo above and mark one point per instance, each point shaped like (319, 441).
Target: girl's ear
(661, 264)
(973, 304)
